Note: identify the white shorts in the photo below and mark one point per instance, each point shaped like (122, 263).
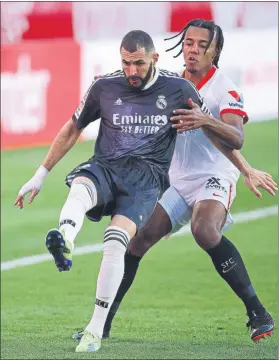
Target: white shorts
(179, 201)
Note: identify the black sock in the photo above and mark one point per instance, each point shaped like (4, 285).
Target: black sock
(230, 266)
(131, 267)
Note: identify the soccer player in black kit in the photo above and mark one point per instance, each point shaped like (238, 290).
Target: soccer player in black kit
(129, 170)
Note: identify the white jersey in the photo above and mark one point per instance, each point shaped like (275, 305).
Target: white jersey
(194, 155)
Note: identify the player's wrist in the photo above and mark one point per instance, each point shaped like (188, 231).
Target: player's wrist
(209, 121)
(42, 172)
(246, 170)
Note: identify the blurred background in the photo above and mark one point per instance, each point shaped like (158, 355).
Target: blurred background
(51, 49)
(178, 306)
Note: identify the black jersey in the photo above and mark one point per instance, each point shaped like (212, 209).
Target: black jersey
(135, 124)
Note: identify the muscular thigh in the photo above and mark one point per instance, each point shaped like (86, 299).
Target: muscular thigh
(97, 175)
(157, 226)
(208, 219)
(212, 200)
(209, 212)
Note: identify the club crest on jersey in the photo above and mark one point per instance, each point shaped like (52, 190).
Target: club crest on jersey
(161, 103)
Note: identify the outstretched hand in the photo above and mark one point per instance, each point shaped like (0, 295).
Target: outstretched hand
(257, 178)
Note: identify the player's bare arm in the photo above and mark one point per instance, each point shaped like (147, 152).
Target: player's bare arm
(63, 142)
(253, 178)
(229, 131)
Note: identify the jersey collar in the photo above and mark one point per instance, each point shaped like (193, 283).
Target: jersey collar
(156, 75)
(206, 78)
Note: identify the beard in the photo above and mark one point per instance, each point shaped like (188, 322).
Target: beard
(141, 82)
(192, 71)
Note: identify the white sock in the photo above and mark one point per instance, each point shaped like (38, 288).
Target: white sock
(82, 197)
(110, 276)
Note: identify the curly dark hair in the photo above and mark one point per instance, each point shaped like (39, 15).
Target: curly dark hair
(204, 24)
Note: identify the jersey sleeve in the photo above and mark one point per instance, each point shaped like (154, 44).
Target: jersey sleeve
(232, 102)
(190, 91)
(89, 107)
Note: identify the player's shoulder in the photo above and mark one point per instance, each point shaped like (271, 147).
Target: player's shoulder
(103, 81)
(225, 89)
(223, 83)
(173, 77)
(113, 75)
(100, 84)
(110, 77)
(168, 74)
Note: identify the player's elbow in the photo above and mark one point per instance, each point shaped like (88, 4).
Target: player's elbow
(234, 143)
(239, 141)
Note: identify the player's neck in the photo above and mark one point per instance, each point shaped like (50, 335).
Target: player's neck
(152, 79)
(152, 75)
(196, 78)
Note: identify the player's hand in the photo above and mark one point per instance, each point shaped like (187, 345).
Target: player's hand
(189, 119)
(32, 186)
(257, 178)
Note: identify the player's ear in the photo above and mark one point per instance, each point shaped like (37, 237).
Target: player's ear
(155, 57)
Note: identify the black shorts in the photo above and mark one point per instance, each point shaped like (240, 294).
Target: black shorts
(130, 190)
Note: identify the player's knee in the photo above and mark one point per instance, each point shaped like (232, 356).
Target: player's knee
(144, 240)
(116, 241)
(138, 247)
(157, 226)
(205, 232)
(84, 190)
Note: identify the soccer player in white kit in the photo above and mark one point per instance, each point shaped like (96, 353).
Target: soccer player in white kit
(203, 180)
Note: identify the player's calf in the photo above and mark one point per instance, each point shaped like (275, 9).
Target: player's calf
(111, 272)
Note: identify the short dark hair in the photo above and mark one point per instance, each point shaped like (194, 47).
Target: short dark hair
(204, 24)
(137, 39)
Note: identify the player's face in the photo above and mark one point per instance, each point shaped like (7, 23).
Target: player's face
(138, 67)
(196, 57)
